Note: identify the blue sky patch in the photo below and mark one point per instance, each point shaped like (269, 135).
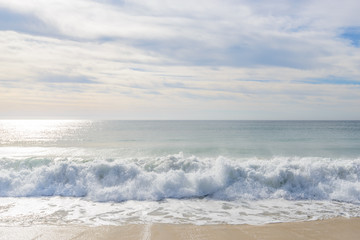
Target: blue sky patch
(68, 79)
(352, 34)
(25, 23)
(331, 80)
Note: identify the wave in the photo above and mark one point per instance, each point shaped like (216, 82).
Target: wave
(178, 177)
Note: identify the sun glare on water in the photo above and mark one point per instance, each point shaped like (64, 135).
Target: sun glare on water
(34, 131)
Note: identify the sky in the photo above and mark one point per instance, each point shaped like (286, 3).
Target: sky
(204, 59)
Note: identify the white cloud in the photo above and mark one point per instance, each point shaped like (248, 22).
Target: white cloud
(177, 58)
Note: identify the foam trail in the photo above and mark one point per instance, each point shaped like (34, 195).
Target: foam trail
(178, 177)
(147, 232)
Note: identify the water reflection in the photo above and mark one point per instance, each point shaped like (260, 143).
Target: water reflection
(35, 132)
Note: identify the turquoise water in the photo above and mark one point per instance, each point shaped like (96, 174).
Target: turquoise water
(262, 139)
(199, 172)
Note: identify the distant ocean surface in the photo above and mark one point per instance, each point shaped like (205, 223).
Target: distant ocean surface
(195, 172)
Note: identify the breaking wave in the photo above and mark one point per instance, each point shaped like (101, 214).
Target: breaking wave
(178, 177)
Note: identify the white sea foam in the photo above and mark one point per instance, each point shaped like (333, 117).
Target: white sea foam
(179, 177)
(79, 211)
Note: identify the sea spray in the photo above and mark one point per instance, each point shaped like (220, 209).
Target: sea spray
(178, 177)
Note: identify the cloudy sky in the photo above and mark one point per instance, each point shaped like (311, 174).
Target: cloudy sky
(160, 59)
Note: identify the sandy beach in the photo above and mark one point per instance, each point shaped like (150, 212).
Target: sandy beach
(338, 228)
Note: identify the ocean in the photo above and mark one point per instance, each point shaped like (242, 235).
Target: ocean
(85, 172)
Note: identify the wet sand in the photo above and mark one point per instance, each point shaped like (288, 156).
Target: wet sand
(338, 228)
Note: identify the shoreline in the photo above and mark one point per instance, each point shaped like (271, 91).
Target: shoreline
(335, 228)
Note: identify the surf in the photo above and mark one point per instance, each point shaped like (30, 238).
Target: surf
(179, 177)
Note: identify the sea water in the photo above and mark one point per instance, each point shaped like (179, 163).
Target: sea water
(197, 172)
